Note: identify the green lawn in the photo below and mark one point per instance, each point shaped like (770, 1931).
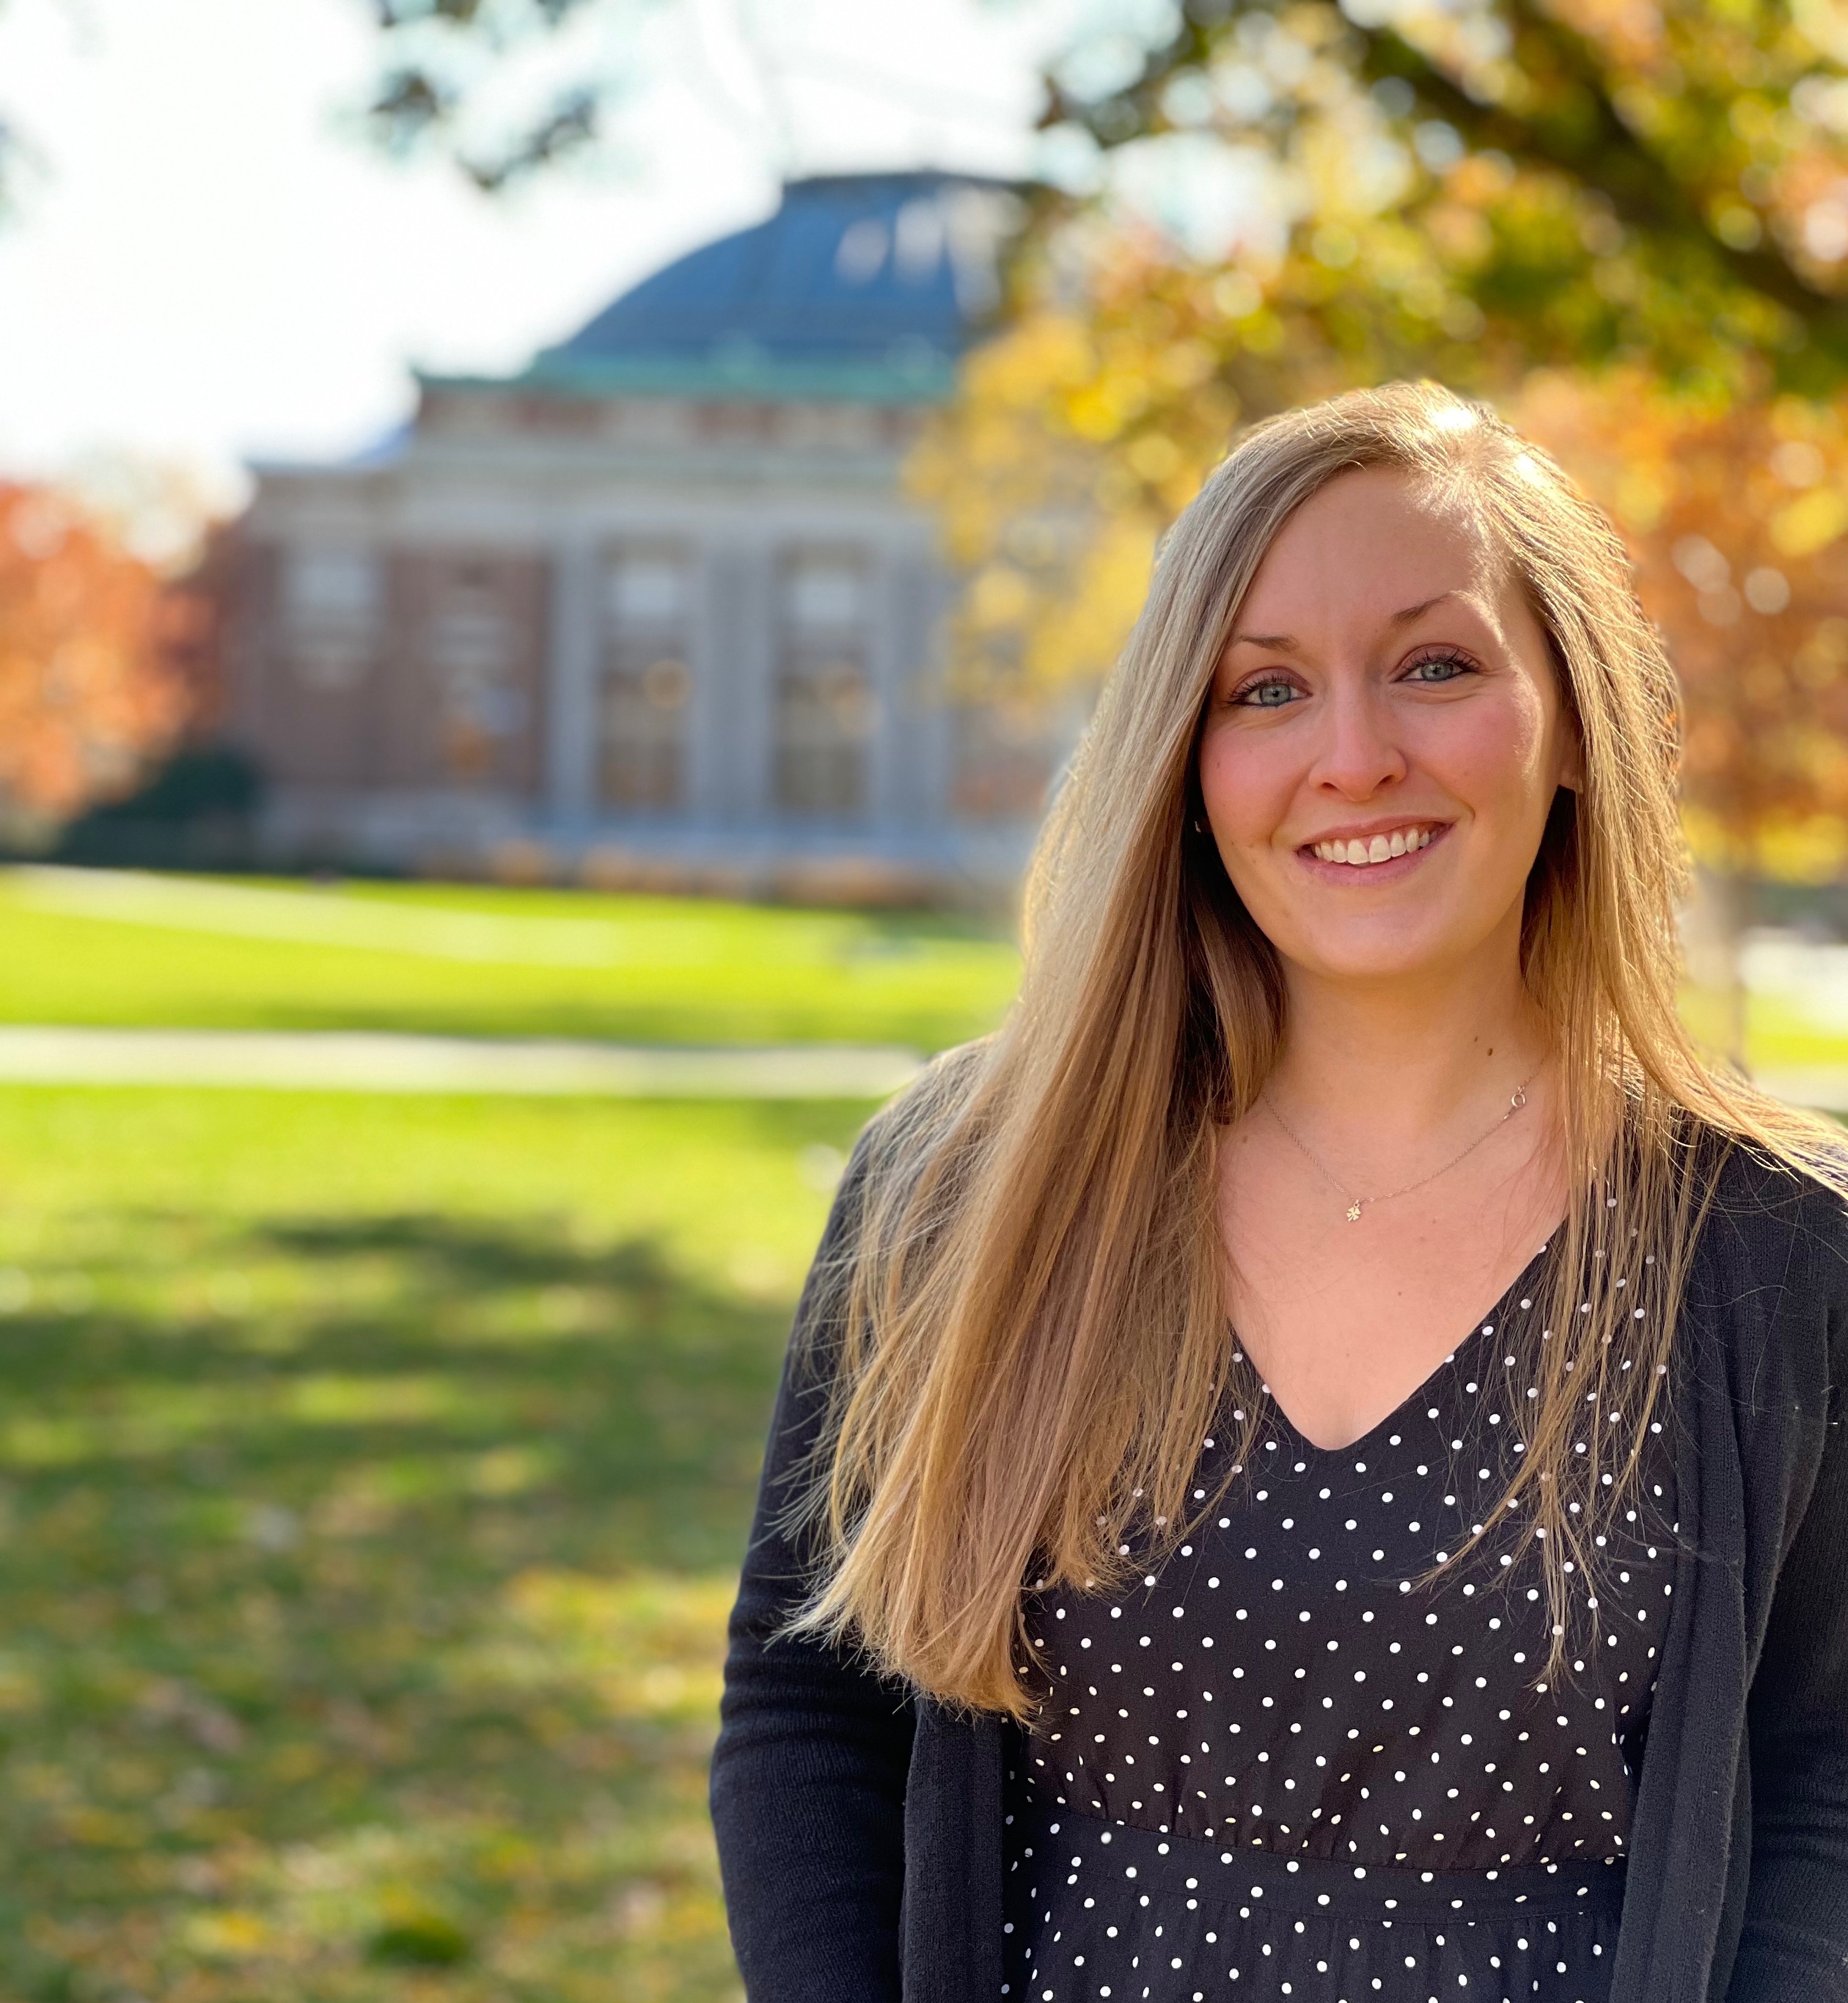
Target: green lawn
(374, 1471)
(373, 1474)
(101, 948)
(93, 947)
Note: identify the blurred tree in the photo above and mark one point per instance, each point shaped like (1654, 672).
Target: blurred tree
(1466, 192)
(90, 686)
(1736, 513)
(1647, 205)
(504, 87)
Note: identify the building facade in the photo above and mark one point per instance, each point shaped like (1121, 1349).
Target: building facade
(656, 609)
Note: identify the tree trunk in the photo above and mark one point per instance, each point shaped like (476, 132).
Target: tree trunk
(1713, 928)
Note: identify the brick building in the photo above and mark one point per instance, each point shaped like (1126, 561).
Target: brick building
(655, 610)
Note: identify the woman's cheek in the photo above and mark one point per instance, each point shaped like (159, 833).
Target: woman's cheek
(1487, 757)
(1246, 796)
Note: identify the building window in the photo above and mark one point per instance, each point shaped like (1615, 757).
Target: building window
(471, 648)
(1002, 760)
(647, 683)
(333, 601)
(824, 709)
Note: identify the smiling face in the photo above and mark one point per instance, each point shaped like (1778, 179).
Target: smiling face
(1383, 739)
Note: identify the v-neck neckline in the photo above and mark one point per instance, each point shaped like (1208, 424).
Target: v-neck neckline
(1489, 1319)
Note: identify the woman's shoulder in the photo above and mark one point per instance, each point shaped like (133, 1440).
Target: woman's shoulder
(1769, 1207)
(922, 1110)
(886, 1154)
(1773, 1245)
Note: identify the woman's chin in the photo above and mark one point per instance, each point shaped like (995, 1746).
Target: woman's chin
(1371, 961)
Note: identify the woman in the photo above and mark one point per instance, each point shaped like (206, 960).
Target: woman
(1309, 1465)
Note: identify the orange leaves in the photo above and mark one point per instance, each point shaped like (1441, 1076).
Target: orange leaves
(1809, 523)
(86, 689)
(1738, 515)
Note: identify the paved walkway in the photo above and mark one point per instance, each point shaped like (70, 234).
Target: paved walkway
(344, 1061)
(365, 1061)
(1822, 1091)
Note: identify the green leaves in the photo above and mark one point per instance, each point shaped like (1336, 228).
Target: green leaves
(504, 88)
(1651, 180)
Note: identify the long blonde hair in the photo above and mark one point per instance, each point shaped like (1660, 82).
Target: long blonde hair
(1030, 1332)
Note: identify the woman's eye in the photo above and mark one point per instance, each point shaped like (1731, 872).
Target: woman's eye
(1440, 668)
(1266, 695)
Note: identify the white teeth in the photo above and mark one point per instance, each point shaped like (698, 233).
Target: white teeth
(1380, 849)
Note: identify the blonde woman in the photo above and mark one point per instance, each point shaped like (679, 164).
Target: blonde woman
(1309, 1465)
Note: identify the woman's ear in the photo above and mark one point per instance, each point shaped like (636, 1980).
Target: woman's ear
(1572, 759)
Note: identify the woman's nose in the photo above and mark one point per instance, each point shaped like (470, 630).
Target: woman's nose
(1361, 753)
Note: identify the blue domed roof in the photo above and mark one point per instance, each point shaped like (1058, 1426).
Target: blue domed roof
(859, 285)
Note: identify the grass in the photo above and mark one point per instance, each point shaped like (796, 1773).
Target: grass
(100, 947)
(373, 1472)
(95, 948)
(373, 1475)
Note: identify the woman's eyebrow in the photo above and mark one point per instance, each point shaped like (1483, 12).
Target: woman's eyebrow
(1285, 644)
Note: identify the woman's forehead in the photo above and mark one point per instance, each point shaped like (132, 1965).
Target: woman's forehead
(1375, 542)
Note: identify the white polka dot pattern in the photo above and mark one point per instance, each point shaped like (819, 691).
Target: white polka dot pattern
(1277, 1691)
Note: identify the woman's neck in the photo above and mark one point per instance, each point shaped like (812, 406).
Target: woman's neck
(1392, 1062)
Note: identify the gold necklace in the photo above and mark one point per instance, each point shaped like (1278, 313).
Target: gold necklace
(1357, 1204)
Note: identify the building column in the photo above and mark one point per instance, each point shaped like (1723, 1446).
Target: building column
(741, 658)
(571, 705)
(707, 790)
(891, 669)
(914, 749)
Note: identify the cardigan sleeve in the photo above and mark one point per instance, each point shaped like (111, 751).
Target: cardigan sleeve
(1794, 1945)
(809, 1774)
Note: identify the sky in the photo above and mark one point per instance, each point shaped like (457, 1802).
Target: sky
(207, 265)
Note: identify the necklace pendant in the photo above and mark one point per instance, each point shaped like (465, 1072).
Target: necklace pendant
(1353, 1213)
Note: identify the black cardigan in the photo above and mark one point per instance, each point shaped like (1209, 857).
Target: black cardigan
(859, 1825)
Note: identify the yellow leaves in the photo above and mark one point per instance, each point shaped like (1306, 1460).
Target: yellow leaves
(649, 1646)
(1820, 660)
(1642, 493)
(1101, 410)
(999, 598)
(1071, 446)
(1735, 514)
(1460, 232)
(1237, 294)
(1809, 523)
(1824, 24)
(1335, 246)
(1480, 178)
(1077, 641)
(1795, 848)
(1265, 335)
(1154, 457)
(21, 1687)
(100, 1828)
(1014, 370)
(1185, 365)
(230, 1934)
(1797, 463)
(1736, 226)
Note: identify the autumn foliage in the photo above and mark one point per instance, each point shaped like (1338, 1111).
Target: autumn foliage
(93, 650)
(1625, 226)
(1736, 515)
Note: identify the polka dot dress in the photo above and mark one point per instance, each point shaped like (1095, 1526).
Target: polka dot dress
(1274, 1768)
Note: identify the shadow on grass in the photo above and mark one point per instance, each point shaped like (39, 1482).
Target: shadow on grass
(362, 1590)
